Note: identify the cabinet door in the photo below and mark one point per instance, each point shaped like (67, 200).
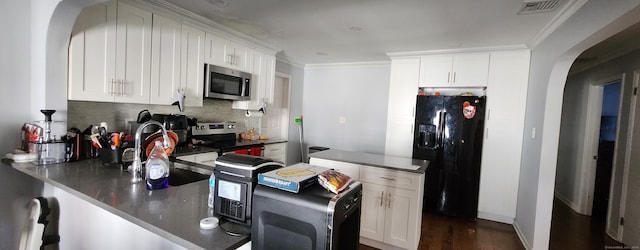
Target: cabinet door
(239, 57)
(504, 126)
(435, 71)
(403, 87)
(401, 220)
(92, 54)
(373, 211)
(214, 49)
(165, 60)
(399, 137)
(470, 70)
(133, 54)
(192, 66)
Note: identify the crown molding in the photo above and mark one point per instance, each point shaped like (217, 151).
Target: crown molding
(563, 14)
(207, 24)
(347, 65)
(459, 50)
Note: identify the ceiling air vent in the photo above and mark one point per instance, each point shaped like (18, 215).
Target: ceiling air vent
(537, 6)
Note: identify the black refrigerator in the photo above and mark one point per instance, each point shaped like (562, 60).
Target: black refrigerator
(448, 133)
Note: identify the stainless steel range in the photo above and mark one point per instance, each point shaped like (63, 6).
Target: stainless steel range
(223, 136)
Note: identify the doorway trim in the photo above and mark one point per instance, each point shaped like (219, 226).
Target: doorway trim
(591, 138)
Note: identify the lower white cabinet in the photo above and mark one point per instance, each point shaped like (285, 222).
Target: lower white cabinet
(208, 159)
(276, 151)
(391, 204)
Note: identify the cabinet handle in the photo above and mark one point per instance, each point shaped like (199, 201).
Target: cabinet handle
(454, 77)
(449, 77)
(411, 132)
(389, 199)
(381, 197)
(387, 178)
(112, 92)
(122, 89)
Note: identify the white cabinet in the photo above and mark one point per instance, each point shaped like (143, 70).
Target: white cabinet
(263, 83)
(276, 151)
(208, 159)
(166, 43)
(403, 89)
(504, 126)
(392, 206)
(226, 53)
(109, 54)
(454, 70)
(92, 53)
(391, 203)
(192, 65)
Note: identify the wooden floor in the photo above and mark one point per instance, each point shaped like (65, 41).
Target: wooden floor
(569, 230)
(444, 232)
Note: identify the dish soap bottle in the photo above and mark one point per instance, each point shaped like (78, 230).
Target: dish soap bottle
(157, 168)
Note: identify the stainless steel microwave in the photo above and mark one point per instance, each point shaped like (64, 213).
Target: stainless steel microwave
(224, 83)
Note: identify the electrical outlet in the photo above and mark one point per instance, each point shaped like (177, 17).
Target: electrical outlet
(342, 120)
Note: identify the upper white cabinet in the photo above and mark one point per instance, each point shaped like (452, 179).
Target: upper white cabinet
(226, 53)
(262, 83)
(120, 53)
(109, 54)
(454, 70)
(166, 43)
(403, 90)
(192, 66)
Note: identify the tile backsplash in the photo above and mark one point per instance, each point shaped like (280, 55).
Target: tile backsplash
(81, 114)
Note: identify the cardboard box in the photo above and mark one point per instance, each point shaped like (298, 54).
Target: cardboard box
(292, 178)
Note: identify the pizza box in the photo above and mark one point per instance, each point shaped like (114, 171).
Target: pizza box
(292, 178)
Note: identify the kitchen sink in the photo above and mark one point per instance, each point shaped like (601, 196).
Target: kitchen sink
(180, 174)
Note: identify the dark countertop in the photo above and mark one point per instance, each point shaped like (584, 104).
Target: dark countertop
(173, 213)
(375, 160)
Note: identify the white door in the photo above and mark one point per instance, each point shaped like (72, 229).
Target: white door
(133, 54)
(165, 60)
(192, 72)
(399, 137)
(92, 54)
(373, 212)
(631, 213)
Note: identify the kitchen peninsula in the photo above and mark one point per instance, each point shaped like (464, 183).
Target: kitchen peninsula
(173, 213)
(392, 190)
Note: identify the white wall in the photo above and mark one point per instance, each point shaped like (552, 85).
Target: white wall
(15, 71)
(550, 62)
(356, 93)
(296, 84)
(573, 126)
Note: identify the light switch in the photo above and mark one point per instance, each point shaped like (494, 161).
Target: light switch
(342, 120)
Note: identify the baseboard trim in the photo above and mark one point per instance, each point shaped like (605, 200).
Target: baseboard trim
(495, 217)
(521, 236)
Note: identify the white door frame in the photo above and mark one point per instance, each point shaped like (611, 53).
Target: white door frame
(591, 138)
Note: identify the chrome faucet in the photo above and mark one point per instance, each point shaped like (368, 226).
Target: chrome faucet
(136, 166)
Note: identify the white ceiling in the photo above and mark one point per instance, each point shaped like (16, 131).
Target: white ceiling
(333, 31)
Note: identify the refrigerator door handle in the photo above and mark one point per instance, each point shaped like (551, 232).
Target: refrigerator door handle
(442, 122)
